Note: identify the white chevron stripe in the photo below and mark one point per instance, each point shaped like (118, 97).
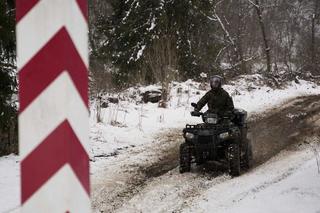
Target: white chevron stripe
(37, 27)
(59, 101)
(63, 192)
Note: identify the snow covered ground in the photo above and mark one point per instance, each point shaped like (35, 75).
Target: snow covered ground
(138, 123)
(131, 123)
(9, 183)
(289, 182)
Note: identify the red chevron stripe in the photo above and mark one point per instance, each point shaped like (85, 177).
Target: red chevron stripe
(24, 6)
(49, 63)
(60, 147)
(83, 7)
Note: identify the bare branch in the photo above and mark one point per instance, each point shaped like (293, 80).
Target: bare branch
(205, 15)
(241, 61)
(219, 53)
(224, 29)
(252, 3)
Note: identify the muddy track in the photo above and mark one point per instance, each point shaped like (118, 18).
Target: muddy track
(283, 126)
(270, 133)
(126, 176)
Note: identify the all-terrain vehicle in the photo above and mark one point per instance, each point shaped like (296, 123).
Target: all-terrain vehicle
(221, 139)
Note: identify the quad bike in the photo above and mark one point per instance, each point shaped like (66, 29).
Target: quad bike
(221, 139)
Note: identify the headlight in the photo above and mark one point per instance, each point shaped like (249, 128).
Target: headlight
(224, 135)
(212, 120)
(189, 136)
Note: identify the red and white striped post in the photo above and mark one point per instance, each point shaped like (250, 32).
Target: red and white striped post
(52, 50)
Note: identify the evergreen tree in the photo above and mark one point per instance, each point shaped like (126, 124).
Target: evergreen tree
(136, 27)
(8, 111)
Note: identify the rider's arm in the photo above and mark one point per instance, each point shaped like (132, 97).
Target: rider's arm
(203, 101)
(229, 104)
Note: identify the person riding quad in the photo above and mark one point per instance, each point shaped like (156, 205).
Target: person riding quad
(218, 100)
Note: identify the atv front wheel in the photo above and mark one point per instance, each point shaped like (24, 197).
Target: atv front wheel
(199, 158)
(185, 158)
(234, 159)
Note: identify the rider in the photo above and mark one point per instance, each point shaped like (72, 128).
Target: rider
(218, 100)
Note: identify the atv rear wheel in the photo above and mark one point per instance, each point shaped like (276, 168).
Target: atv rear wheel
(185, 158)
(234, 159)
(248, 155)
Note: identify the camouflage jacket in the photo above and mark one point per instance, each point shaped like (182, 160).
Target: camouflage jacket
(218, 101)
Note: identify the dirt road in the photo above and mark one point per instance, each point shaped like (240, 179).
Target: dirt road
(283, 126)
(137, 173)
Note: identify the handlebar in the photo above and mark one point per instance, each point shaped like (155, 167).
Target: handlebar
(195, 113)
(225, 115)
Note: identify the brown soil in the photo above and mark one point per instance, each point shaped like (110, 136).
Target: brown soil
(283, 126)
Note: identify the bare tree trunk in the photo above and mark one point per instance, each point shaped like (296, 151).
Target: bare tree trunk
(313, 41)
(243, 67)
(267, 49)
(264, 35)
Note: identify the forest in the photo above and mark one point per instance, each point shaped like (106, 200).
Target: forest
(148, 41)
(141, 42)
